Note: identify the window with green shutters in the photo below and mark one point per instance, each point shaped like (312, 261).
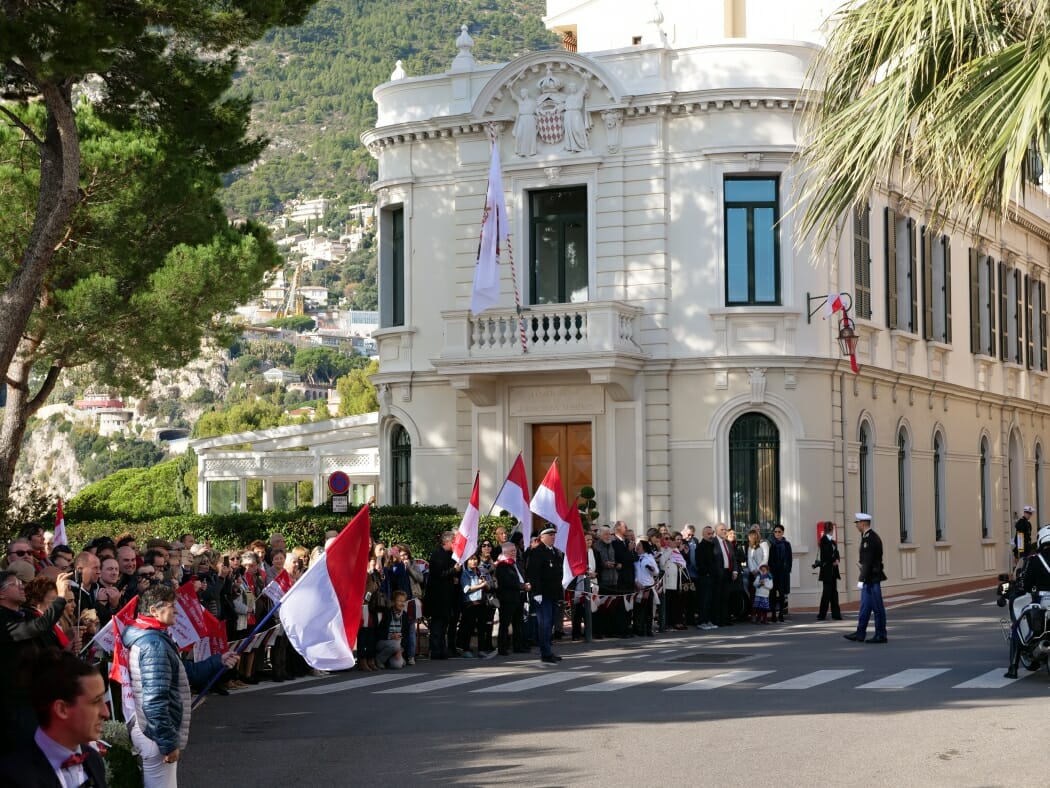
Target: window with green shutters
(901, 286)
(936, 287)
(984, 334)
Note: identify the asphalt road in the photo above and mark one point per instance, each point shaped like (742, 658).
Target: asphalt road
(792, 704)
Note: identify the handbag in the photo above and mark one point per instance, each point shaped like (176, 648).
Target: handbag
(493, 600)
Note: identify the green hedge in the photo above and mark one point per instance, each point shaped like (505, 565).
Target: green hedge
(416, 526)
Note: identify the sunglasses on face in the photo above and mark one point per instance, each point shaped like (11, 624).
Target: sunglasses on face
(21, 552)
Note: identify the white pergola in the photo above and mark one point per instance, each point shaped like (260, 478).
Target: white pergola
(300, 452)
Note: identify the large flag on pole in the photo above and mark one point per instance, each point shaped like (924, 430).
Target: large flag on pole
(575, 546)
(322, 612)
(466, 541)
(514, 497)
(60, 527)
(494, 228)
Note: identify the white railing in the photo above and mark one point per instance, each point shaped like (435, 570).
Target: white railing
(593, 327)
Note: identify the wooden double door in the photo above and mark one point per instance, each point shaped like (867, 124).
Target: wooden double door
(571, 445)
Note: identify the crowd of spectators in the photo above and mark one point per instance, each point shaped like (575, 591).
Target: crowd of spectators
(634, 586)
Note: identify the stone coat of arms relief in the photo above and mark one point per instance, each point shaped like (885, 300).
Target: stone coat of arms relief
(555, 115)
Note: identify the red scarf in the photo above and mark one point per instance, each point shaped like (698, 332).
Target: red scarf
(63, 641)
(146, 622)
(505, 560)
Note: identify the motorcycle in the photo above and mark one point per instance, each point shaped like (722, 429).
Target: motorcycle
(1029, 621)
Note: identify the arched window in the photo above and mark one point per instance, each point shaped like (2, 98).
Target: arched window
(866, 451)
(904, 484)
(401, 466)
(754, 470)
(938, 488)
(986, 490)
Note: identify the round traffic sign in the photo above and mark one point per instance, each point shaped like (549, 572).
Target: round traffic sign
(339, 483)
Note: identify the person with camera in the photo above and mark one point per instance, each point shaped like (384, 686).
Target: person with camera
(828, 564)
(160, 683)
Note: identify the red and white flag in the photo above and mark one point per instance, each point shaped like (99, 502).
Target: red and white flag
(189, 626)
(549, 503)
(575, 547)
(119, 670)
(466, 541)
(60, 527)
(322, 612)
(278, 587)
(833, 304)
(514, 497)
(494, 231)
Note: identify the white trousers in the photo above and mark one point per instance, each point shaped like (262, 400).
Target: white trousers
(155, 772)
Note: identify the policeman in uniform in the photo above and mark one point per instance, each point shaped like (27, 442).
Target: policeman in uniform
(871, 577)
(544, 571)
(1023, 534)
(1033, 575)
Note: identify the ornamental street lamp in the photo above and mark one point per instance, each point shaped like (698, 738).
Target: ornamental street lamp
(847, 336)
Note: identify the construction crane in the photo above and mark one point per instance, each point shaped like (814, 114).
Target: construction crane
(295, 304)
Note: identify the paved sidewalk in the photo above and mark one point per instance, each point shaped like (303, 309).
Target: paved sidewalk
(902, 597)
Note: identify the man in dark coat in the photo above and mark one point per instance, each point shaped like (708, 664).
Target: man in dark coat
(625, 558)
(709, 577)
(829, 574)
(441, 594)
(22, 635)
(1023, 534)
(510, 585)
(544, 575)
(69, 697)
(780, 561)
(871, 577)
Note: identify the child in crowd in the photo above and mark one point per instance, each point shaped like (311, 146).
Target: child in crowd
(390, 633)
(763, 585)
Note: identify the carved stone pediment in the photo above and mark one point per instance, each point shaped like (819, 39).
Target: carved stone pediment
(553, 99)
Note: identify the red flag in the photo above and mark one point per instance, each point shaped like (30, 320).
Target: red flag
(514, 497)
(119, 670)
(60, 527)
(322, 612)
(466, 541)
(833, 304)
(189, 616)
(575, 546)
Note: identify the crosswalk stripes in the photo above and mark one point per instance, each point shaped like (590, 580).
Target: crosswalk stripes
(342, 686)
(721, 680)
(631, 680)
(955, 602)
(445, 683)
(904, 678)
(993, 679)
(542, 680)
(810, 680)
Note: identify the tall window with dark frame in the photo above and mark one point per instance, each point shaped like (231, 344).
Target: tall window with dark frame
(936, 287)
(754, 470)
(986, 490)
(904, 484)
(401, 466)
(938, 488)
(752, 241)
(392, 267)
(862, 261)
(902, 304)
(1035, 322)
(984, 330)
(865, 468)
(1039, 483)
(558, 246)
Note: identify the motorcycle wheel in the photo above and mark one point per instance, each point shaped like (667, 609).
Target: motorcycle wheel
(1029, 662)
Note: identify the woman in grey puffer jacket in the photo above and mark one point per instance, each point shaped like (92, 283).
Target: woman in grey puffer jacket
(160, 682)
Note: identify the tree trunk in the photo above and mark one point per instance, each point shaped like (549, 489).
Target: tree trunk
(58, 196)
(20, 407)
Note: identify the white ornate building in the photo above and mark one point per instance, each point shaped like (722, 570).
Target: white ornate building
(671, 359)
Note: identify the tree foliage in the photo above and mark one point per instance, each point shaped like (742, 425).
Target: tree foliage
(294, 323)
(944, 97)
(324, 364)
(357, 395)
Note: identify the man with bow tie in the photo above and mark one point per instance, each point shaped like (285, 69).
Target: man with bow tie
(69, 697)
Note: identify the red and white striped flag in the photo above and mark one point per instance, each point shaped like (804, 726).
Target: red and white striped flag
(494, 231)
(550, 504)
(278, 587)
(575, 546)
(514, 497)
(119, 671)
(466, 541)
(322, 612)
(60, 527)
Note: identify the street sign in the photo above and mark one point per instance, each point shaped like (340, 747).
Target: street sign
(339, 483)
(340, 503)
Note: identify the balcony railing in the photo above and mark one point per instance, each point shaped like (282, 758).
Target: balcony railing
(593, 327)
